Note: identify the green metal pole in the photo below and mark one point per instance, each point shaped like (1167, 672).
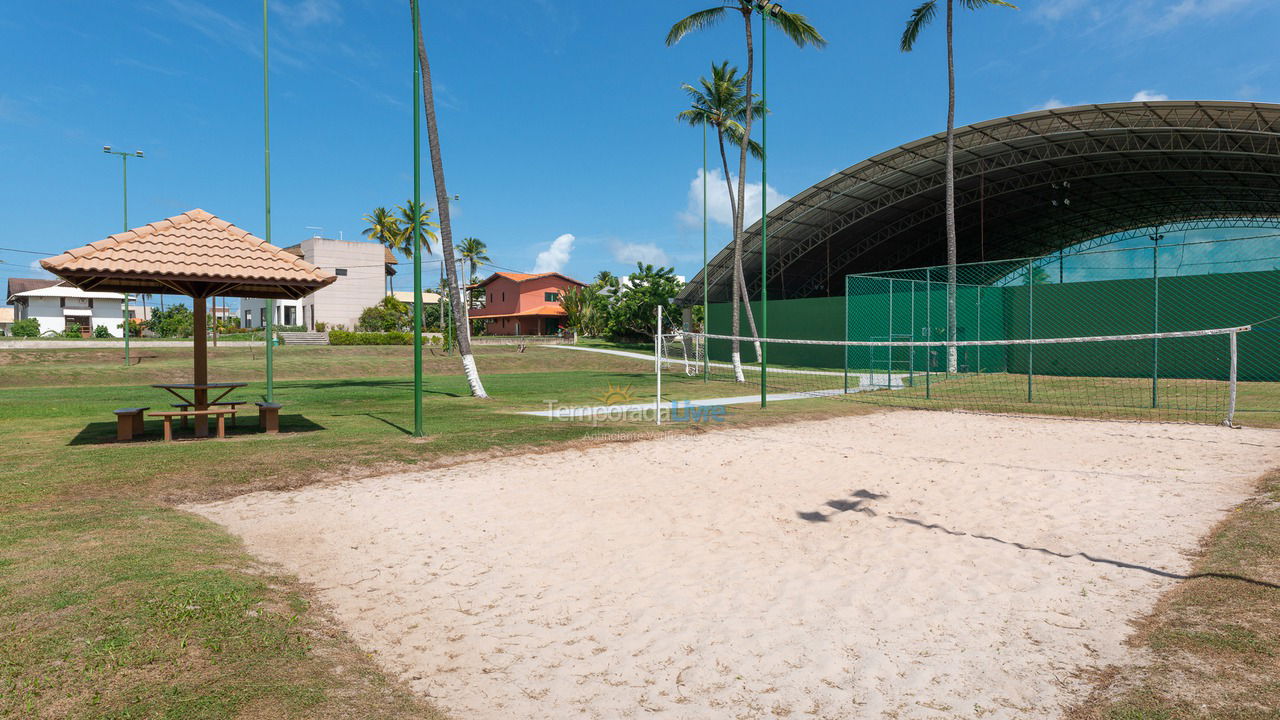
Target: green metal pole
(126, 325)
(764, 209)
(1031, 333)
(417, 236)
(268, 329)
(706, 307)
(1155, 321)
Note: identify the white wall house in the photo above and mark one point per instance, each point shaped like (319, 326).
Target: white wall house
(362, 269)
(57, 306)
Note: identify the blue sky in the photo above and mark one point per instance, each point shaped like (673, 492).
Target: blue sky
(557, 117)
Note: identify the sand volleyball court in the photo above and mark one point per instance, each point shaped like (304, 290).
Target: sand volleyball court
(902, 564)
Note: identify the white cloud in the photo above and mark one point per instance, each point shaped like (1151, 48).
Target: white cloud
(1049, 104)
(555, 257)
(718, 200)
(310, 12)
(1055, 10)
(1148, 96)
(632, 253)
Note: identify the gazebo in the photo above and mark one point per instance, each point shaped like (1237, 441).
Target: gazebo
(194, 254)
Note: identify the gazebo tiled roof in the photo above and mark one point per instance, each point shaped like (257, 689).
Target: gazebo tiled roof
(195, 254)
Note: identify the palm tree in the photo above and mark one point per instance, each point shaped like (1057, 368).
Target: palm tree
(385, 229)
(405, 239)
(721, 103)
(794, 26)
(920, 17)
(446, 230)
(474, 252)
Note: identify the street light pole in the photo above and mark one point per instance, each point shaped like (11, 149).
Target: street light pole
(765, 8)
(416, 229)
(127, 325)
(268, 329)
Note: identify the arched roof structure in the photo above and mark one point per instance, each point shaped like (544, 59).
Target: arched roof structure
(1026, 185)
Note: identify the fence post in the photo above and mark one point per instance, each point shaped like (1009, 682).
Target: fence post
(1031, 313)
(1231, 402)
(844, 351)
(911, 349)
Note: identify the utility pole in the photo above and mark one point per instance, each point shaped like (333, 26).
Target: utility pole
(127, 325)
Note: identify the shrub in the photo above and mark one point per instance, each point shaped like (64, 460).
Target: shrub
(26, 328)
(321, 327)
(341, 337)
(389, 315)
(290, 328)
(175, 321)
(71, 331)
(101, 332)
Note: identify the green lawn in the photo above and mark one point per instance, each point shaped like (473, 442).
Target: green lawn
(114, 604)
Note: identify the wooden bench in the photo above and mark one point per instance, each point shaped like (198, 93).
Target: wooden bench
(269, 416)
(169, 416)
(226, 403)
(129, 423)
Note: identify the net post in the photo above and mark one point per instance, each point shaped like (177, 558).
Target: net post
(1231, 402)
(657, 365)
(1155, 321)
(928, 324)
(1031, 310)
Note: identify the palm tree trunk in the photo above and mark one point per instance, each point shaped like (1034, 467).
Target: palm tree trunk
(952, 365)
(446, 230)
(740, 214)
(738, 288)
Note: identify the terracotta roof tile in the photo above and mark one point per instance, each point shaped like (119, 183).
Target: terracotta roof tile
(193, 246)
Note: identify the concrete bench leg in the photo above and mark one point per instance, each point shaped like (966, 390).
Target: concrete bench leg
(137, 424)
(168, 429)
(124, 428)
(222, 426)
(269, 419)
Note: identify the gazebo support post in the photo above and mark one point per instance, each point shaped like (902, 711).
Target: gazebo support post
(201, 362)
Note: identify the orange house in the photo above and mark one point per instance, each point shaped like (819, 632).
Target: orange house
(523, 304)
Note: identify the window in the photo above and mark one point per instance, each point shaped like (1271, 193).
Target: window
(504, 296)
(262, 316)
(340, 271)
(551, 297)
(248, 318)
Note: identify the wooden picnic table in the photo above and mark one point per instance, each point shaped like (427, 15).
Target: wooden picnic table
(200, 398)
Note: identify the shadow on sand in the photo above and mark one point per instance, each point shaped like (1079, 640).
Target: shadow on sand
(859, 500)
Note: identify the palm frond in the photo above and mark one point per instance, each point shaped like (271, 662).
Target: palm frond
(700, 20)
(733, 131)
(797, 27)
(920, 17)
(979, 4)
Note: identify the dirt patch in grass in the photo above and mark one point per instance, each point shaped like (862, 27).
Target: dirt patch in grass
(1211, 647)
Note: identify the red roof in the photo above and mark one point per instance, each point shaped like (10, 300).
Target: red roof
(524, 277)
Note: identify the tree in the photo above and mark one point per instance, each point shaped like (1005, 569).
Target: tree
(474, 252)
(405, 222)
(635, 312)
(721, 103)
(587, 310)
(446, 230)
(921, 17)
(384, 227)
(175, 321)
(797, 28)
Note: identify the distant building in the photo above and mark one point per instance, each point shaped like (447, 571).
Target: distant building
(523, 304)
(406, 297)
(58, 306)
(363, 270)
(6, 320)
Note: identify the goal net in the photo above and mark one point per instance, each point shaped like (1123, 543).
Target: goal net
(1104, 376)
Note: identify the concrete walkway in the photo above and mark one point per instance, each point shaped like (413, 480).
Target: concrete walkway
(38, 344)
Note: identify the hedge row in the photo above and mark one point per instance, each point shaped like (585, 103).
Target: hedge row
(342, 337)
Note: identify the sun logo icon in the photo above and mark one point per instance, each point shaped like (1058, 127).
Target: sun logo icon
(616, 395)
